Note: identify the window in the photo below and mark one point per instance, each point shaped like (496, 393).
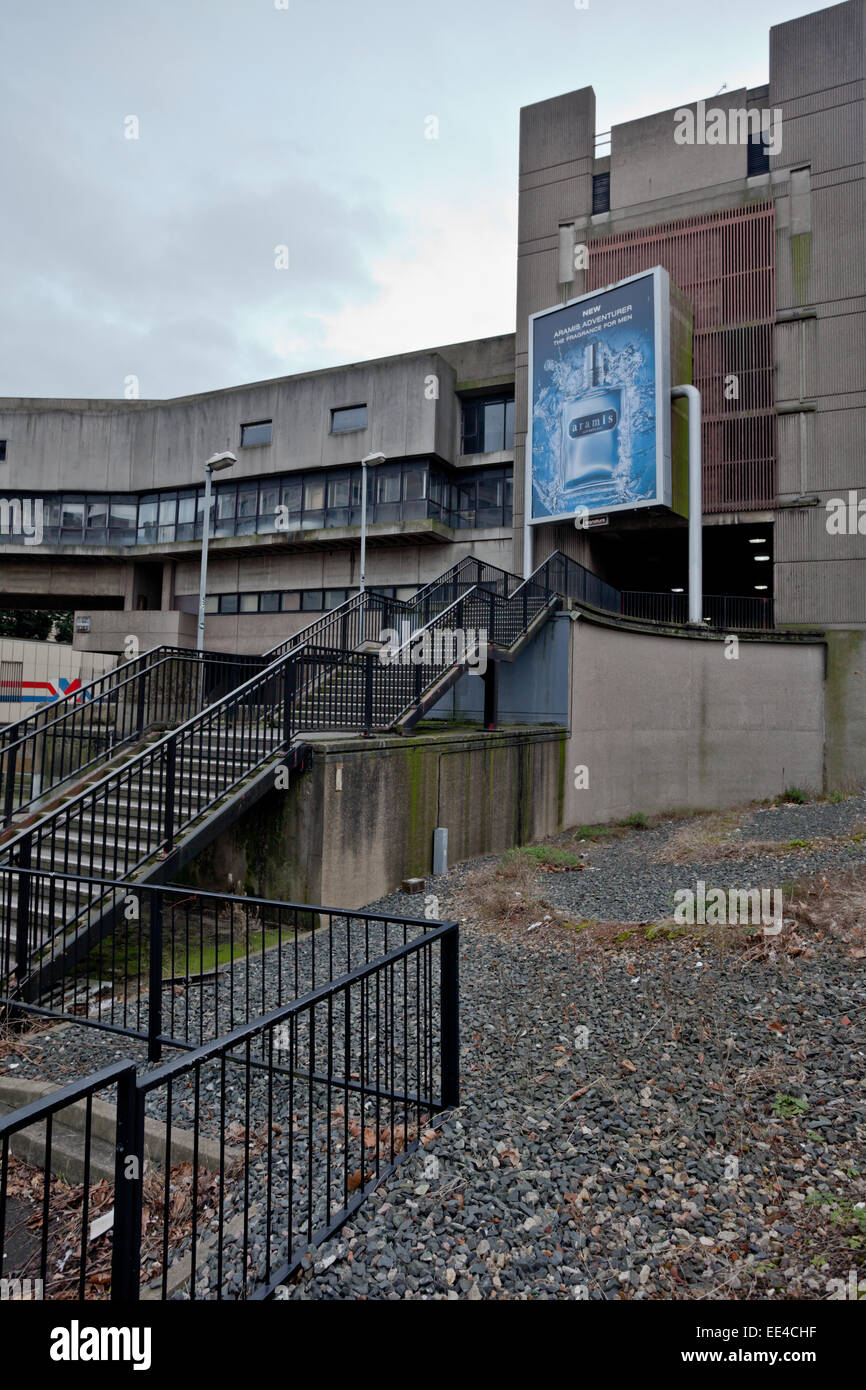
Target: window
(186, 510)
(248, 503)
(311, 601)
(488, 424)
(601, 192)
(757, 155)
(314, 502)
(2, 450)
(71, 520)
(224, 518)
(229, 603)
(349, 417)
(269, 603)
(167, 516)
(212, 603)
(269, 500)
(291, 602)
(259, 433)
(147, 511)
(97, 521)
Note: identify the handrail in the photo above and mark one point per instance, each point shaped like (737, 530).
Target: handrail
(60, 741)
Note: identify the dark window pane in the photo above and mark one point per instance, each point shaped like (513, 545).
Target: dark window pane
(414, 482)
(259, 433)
(352, 417)
(471, 442)
(494, 426)
(291, 491)
(311, 601)
(509, 425)
(147, 511)
(338, 492)
(228, 603)
(314, 494)
(72, 519)
(269, 603)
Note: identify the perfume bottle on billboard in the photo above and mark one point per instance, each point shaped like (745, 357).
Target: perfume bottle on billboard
(590, 434)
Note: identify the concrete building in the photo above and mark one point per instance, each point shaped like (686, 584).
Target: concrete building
(762, 232)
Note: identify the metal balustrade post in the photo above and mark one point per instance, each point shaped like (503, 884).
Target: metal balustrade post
(22, 924)
(170, 768)
(128, 1184)
(289, 688)
(449, 1013)
(368, 693)
(139, 715)
(154, 1013)
(9, 802)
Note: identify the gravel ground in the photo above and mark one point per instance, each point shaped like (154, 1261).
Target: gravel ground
(664, 1119)
(702, 1138)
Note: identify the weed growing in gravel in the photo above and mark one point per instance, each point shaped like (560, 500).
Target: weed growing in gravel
(795, 794)
(787, 1107)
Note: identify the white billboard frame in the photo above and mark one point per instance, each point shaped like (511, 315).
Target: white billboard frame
(662, 365)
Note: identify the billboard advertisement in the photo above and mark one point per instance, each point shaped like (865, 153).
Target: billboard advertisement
(599, 409)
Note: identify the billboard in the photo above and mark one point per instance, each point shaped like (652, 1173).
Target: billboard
(599, 410)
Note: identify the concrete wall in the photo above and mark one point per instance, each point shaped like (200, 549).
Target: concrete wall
(532, 689)
(845, 693)
(668, 722)
(43, 666)
(138, 445)
(363, 818)
(817, 67)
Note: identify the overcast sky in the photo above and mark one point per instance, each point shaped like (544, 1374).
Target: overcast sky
(301, 127)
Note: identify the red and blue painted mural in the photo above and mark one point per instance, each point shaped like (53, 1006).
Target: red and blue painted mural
(41, 692)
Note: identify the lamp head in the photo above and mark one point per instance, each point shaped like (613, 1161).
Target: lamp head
(218, 461)
(370, 460)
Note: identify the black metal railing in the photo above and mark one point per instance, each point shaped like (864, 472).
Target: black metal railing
(171, 966)
(41, 753)
(224, 1167)
(573, 580)
(726, 612)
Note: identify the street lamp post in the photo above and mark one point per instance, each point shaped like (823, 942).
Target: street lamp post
(214, 464)
(372, 460)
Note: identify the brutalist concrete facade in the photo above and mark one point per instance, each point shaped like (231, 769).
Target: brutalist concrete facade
(803, 434)
(815, 185)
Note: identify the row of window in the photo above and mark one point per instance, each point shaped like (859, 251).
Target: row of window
(350, 417)
(395, 492)
(292, 600)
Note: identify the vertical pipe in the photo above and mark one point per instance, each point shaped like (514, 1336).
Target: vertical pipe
(693, 396)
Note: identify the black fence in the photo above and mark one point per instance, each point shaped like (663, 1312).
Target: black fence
(173, 966)
(165, 686)
(726, 612)
(214, 1174)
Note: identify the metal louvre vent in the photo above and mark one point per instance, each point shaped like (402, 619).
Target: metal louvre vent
(601, 193)
(724, 263)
